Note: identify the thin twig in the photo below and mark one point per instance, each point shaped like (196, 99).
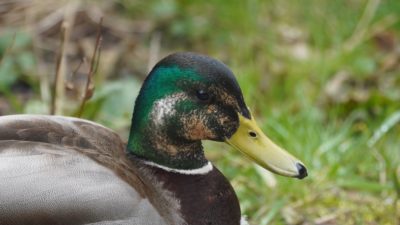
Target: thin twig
(89, 88)
(83, 60)
(70, 84)
(58, 89)
(58, 79)
(96, 66)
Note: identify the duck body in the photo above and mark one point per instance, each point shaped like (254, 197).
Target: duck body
(62, 170)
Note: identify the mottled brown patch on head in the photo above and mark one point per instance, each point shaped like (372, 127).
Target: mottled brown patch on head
(225, 97)
(212, 109)
(195, 127)
(225, 120)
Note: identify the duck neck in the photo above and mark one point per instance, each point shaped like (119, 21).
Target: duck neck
(161, 146)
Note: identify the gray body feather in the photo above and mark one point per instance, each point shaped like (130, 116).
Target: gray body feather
(59, 170)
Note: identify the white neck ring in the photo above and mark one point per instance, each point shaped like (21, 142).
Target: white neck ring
(208, 167)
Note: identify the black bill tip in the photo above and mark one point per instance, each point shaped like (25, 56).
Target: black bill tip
(302, 171)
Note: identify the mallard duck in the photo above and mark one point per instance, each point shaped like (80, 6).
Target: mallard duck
(63, 170)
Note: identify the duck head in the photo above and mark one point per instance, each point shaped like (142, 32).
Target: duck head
(189, 97)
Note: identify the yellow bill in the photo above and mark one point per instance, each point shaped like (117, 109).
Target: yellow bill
(252, 142)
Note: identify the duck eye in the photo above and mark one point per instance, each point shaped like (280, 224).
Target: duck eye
(202, 95)
(252, 134)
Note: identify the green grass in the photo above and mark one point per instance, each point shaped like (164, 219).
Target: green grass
(285, 55)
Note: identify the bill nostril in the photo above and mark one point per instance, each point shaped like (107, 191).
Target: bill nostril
(302, 170)
(252, 134)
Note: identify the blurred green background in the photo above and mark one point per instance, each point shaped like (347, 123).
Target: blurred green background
(322, 77)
